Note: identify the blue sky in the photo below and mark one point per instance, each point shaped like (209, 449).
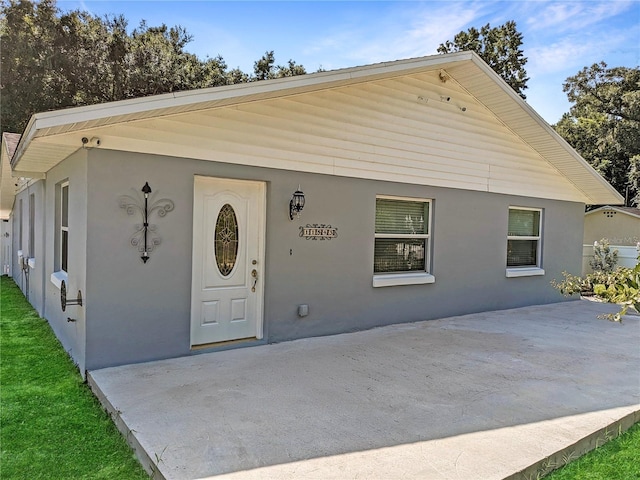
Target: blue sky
(560, 37)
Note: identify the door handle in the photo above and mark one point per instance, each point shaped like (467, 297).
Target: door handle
(254, 274)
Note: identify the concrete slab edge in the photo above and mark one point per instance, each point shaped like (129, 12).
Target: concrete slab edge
(566, 455)
(145, 460)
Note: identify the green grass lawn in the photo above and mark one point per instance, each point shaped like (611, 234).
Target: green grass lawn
(51, 425)
(618, 459)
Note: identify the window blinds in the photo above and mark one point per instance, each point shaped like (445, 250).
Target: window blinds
(402, 217)
(524, 223)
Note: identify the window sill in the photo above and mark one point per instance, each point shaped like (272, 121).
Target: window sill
(58, 277)
(395, 279)
(524, 272)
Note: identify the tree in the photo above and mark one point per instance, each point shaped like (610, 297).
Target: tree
(74, 58)
(290, 70)
(27, 39)
(603, 124)
(499, 47)
(158, 63)
(265, 68)
(634, 179)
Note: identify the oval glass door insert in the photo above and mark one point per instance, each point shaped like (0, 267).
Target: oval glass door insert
(226, 240)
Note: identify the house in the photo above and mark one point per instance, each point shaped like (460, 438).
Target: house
(7, 193)
(620, 226)
(304, 206)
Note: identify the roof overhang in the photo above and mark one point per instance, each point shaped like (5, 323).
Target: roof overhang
(36, 156)
(632, 212)
(7, 184)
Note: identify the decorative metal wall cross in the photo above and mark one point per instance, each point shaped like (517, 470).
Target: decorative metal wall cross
(145, 238)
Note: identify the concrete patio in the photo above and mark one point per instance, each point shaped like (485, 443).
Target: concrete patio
(505, 394)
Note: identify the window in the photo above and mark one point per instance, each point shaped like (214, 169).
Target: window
(524, 242)
(64, 226)
(61, 249)
(226, 240)
(401, 251)
(32, 225)
(20, 222)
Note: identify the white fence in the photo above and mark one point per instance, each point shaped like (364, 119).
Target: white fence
(627, 256)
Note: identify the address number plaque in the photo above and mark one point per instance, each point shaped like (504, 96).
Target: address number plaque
(317, 231)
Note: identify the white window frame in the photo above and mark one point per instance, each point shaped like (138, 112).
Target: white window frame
(527, 270)
(413, 277)
(32, 226)
(20, 223)
(60, 274)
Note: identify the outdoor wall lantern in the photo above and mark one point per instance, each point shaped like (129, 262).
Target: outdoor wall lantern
(296, 204)
(145, 237)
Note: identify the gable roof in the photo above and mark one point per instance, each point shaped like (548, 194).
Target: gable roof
(634, 212)
(7, 185)
(50, 137)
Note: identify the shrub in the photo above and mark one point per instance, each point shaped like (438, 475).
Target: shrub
(604, 259)
(621, 286)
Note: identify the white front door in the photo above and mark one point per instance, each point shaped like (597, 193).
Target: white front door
(228, 260)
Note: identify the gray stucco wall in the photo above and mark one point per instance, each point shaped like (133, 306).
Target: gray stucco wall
(137, 312)
(70, 333)
(30, 279)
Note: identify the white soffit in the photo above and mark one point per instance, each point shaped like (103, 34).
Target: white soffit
(7, 183)
(525, 122)
(39, 150)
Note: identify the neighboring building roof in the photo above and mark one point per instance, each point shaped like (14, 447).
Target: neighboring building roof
(634, 212)
(7, 185)
(130, 125)
(10, 142)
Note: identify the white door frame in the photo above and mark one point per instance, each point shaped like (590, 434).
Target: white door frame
(254, 250)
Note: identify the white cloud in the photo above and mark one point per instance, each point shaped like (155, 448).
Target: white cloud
(575, 16)
(572, 53)
(556, 14)
(433, 27)
(406, 32)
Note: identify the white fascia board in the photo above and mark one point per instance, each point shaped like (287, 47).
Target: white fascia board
(7, 186)
(609, 207)
(76, 119)
(585, 165)
(599, 209)
(5, 169)
(239, 91)
(71, 117)
(228, 92)
(25, 140)
(506, 88)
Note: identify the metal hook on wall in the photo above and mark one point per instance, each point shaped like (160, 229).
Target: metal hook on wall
(63, 297)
